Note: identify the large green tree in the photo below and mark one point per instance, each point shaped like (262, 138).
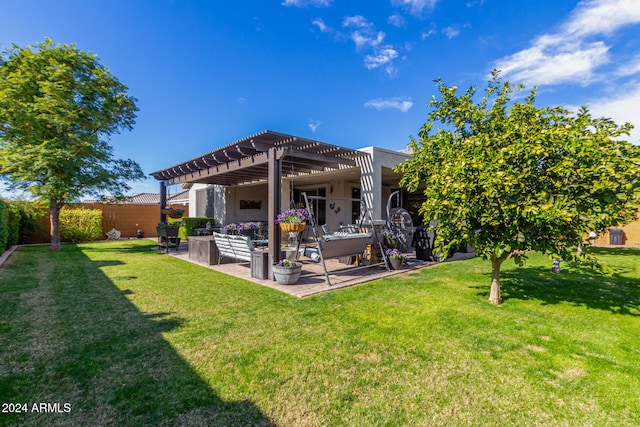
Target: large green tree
(58, 107)
(509, 177)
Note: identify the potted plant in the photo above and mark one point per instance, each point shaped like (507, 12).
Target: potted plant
(173, 212)
(168, 233)
(395, 257)
(287, 272)
(390, 239)
(244, 228)
(293, 220)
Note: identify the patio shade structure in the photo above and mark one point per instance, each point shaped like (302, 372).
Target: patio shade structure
(266, 156)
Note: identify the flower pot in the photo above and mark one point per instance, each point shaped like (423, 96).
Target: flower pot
(396, 263)
(292, 228)
(287, 275)
(171, 213)
(167, 231)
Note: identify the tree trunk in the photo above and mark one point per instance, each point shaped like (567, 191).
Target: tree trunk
(54, 219)
(494, 295)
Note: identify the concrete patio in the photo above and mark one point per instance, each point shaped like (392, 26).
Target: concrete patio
(312, 281)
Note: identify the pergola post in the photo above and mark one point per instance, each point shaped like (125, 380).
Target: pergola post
(163, 200)
(274, 191)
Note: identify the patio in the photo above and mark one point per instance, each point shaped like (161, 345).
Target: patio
(312, 281)
(252, 180)
(256, 178)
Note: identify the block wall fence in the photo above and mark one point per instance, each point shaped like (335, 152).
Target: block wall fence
(126, 218)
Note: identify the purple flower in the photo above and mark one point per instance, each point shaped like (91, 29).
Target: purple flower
(286, 263)
(293, 216)
(394, 253)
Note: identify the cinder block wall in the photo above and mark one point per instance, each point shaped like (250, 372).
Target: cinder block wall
(128, 218)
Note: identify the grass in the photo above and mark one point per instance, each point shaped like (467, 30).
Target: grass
(127, 336)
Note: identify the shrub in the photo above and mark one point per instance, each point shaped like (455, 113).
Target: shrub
(4, 226)
(9, 225)
(192, 223)
(31, 220)
(80, 225)
(13, 225)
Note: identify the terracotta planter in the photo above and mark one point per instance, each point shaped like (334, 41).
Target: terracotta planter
(287, 275)
(292, 228)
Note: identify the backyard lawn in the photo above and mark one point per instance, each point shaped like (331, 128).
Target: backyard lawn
(117, 334)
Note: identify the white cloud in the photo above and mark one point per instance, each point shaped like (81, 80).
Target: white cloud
(356, 21)
(621, 106)
(381, 55)
(305, 3)
(573, 54)
(396, 20)
(430, 32)
(629, 68)
(364, 33)
(313, 125)
(363, 40)
(319, 22)
(561, 63)
(415, 7)
(401, 103)
(451, 31)
(368, 40)
(603, 16)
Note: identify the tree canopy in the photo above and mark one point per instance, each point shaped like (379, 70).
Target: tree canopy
(509, 177)
(58, 107)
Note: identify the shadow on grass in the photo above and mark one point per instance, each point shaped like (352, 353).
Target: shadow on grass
(79, 340)
(621, 251)
(577, 285)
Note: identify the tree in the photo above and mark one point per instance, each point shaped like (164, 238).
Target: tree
(58, 107)
(510, 177)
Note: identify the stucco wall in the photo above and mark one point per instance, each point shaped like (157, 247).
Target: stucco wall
(630, 234)
(242, 203)
(371, 179)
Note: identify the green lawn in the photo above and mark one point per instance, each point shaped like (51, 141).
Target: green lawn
(127, 336)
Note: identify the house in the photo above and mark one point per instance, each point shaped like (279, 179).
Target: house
(179, 198)
(256, 177)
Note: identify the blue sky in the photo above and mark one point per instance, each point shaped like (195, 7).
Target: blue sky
(346, 72)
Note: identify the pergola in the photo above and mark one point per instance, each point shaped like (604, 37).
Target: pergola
(263, 157)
